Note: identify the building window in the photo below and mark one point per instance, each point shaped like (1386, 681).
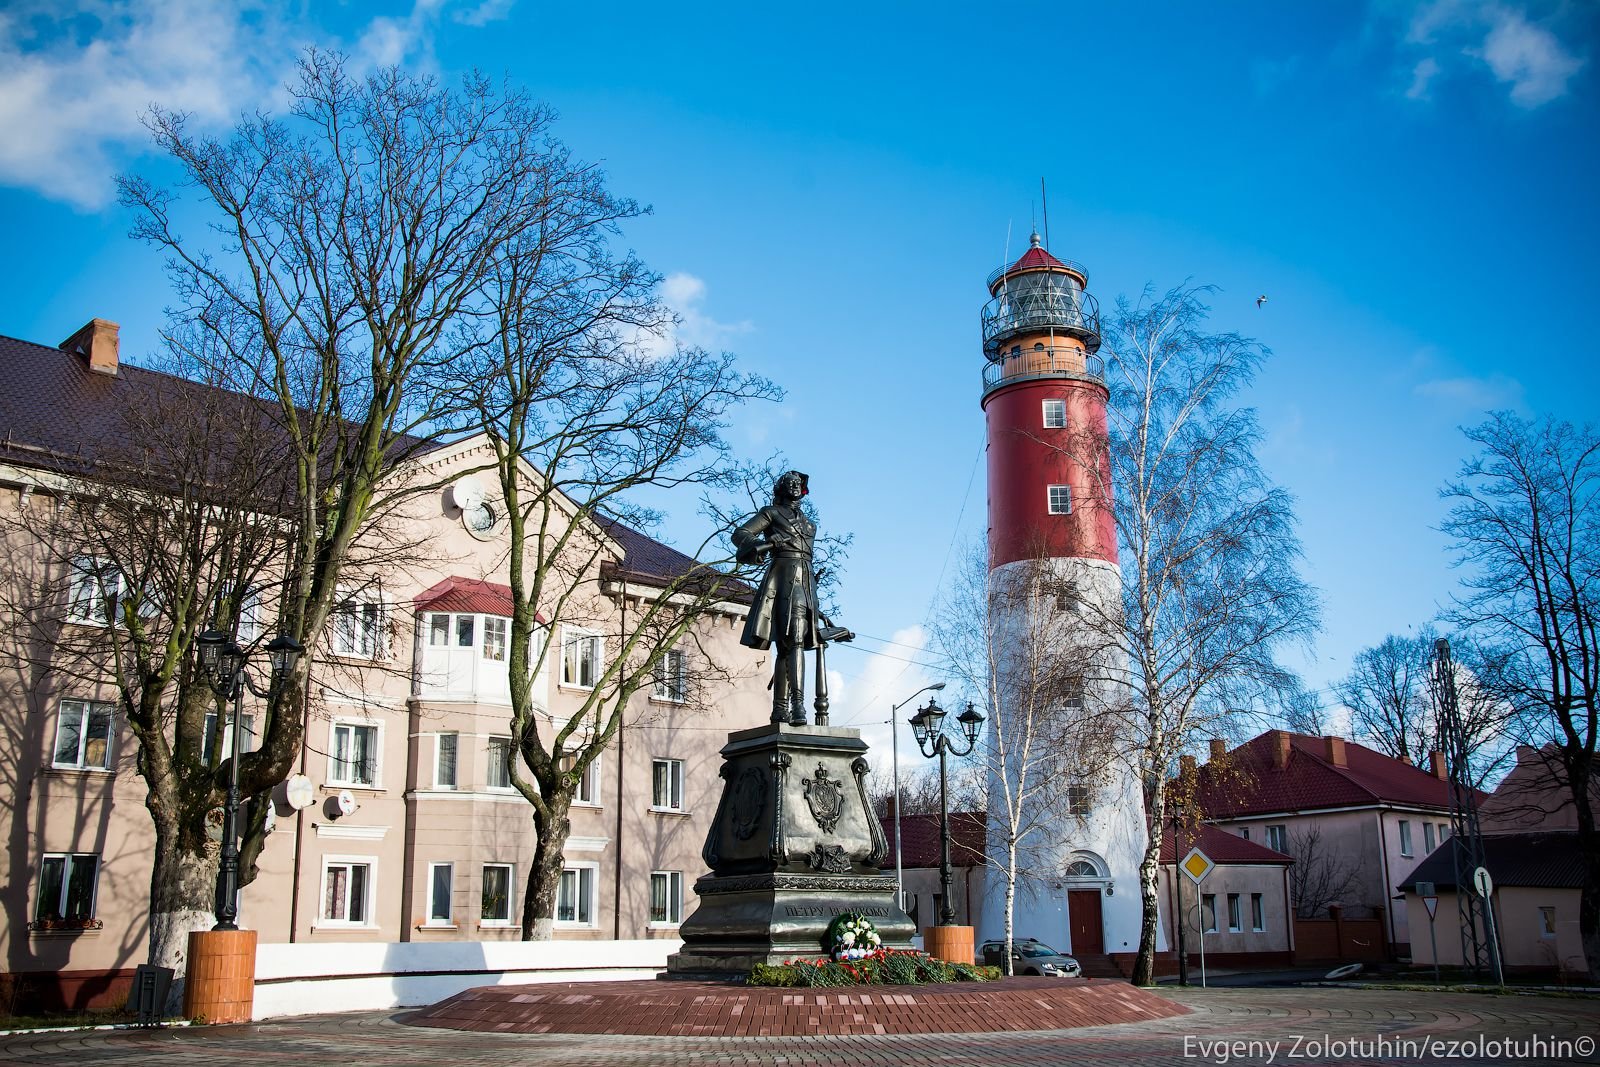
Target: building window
(1055, 414)
(495, 631)
(666, 898)
(83, 735)
(1547, 922)
(441, 887)
(580, 658)
(1244, 832)
(92, 597)
(1444, 832)
(208, 740)
(1078, 802)
(354, 758)
(496, 894)
(1235, 914)
(358, 628)
(1258, 913)
(346, 892)
(672, 677)
(1059, 498)
(588, 791)
(252, 617)
(1427, 837)
(1072, 693)
(500, 753)
(575, 897)
(1405, 837)
(444, 761)
(67, 887)
(1278, 838)
(1208, 912)
(666, 784)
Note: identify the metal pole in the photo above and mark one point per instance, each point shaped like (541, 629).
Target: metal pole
(228, 869)
(1200, 910)
(947, 914)
(1433, 941)
(1182, 923)
(1494, 941)
(899, 871)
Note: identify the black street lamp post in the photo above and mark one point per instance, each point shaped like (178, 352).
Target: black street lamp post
(223, 664)
(928, 726)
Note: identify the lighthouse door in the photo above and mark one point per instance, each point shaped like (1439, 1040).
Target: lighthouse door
(1083, 918)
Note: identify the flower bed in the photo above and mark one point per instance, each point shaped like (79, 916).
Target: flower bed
(882, 966)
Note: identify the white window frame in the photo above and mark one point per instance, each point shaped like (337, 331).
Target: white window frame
(252, 618)
(438, 759)
(1235, 913)
(248, 743)
(1406, 845)
(588, 792)
(377, 753)
(673, 881)
(350, 630)
(68, 861)
(675, 785)
(1547, 921)
(448, 920)
(83, 709)
(577, 868)
(1444, 832)
(488, 782)
(96, 583)
(1278, 838)
(370, 896)
(572, 637)
(672, 679)
(1428, 838)
(1258, 913)
(1058, 503)
(1055, 407)
(511, 894)
(1208, 912)
(1244, 832)
(502, 644)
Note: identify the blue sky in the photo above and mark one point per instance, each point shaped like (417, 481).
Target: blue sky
(1412, 186)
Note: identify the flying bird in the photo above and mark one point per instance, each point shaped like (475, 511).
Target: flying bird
(1262, 299)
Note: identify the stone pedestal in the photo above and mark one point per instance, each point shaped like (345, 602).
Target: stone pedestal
(794, 843)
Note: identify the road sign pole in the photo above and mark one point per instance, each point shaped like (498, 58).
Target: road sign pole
(1433, 941)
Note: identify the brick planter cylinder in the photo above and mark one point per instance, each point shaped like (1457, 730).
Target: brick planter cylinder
(221, 982)
(953, 944)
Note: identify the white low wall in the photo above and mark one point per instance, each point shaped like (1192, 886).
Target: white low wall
(302, 979)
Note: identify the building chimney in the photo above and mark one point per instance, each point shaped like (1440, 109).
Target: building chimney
(1219, 748)
(96, 342)
(1437, 767)
(1280, 749)
(1334, 749)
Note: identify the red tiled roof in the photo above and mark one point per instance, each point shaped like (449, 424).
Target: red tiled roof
(467, 595)
(1035, 258)
(1253, 785)
(1220, 847)
(921, 832)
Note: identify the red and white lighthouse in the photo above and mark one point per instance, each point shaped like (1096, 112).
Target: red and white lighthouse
(1052, 526)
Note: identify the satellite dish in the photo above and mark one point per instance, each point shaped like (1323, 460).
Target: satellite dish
(341, 805)
(298, 792)
(467, 493)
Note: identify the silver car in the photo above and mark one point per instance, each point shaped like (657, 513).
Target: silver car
(1032, 957)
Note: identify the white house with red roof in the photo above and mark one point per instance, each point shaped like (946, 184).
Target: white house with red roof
(1355, 821)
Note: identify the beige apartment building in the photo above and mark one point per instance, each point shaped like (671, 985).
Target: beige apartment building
(410, 830)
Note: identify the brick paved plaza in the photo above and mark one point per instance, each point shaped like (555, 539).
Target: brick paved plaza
(1237, 1014)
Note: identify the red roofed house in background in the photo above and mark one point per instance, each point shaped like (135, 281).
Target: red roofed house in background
(1355, 821)
(1243, 903)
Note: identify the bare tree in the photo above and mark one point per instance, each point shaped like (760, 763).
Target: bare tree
(585, 414)
(1045, 750)
(346, 244)
(1320, 876)
(1525, 519)
(1387, 694)
(919, 791)
(1208, 549)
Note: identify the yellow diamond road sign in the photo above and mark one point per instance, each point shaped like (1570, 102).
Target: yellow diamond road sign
(1196, 865)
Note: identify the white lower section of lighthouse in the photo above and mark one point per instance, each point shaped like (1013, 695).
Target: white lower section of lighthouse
(1078, 870)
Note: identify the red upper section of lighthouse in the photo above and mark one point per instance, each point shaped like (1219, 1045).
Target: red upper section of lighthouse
(1035, 259)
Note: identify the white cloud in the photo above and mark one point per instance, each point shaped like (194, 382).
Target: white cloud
(685, 295)
(1487, 34)
(76, 75)
(1493, 393)
(863, 700)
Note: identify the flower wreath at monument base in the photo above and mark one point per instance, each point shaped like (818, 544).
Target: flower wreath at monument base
(851, 936)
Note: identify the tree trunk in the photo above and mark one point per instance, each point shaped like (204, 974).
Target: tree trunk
(1011, 912)
(182, 899)
(544, 877)
(1144, 964)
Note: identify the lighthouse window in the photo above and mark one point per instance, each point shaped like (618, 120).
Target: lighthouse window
(1055, 414)
(1060, 497)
